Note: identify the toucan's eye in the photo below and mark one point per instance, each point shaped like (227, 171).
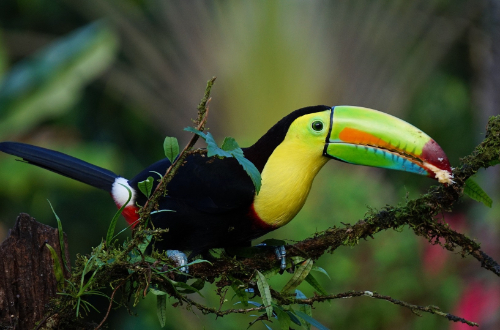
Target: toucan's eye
(317, 125)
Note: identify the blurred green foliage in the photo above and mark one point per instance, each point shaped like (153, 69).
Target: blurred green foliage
(3, 57)
(48, 83)
(406, 58)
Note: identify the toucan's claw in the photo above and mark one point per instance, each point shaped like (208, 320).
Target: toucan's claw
(180, 260)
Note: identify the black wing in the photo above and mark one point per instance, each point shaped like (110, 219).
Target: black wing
(211, 185)
(209, 200)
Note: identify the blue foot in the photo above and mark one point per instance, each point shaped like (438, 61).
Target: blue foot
(280, 253)
(180, 260)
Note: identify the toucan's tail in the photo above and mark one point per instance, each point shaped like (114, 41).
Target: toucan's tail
(60, 163)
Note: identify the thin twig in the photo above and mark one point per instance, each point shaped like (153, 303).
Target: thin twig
(43, 320)
(414, 308)
(111, 302)
(222, 299)
(171, 171)
(208, 310)
(351, 294)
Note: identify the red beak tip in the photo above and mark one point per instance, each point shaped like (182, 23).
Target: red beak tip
(437, 163)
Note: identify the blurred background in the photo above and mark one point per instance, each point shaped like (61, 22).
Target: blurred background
(106, 81)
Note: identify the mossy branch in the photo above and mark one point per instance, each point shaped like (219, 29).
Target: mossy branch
(420, 214)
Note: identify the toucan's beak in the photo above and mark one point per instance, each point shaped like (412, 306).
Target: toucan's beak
(368, 137)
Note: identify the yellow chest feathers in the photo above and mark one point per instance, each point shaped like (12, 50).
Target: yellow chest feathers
(286, 180)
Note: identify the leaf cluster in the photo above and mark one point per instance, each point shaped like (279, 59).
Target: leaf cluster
(229, 148)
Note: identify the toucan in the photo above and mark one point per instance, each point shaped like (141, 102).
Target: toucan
(212, 202)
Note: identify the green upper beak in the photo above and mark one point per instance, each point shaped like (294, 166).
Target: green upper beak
(368, 137)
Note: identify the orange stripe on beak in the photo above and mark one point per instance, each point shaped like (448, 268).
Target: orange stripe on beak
(355, 136)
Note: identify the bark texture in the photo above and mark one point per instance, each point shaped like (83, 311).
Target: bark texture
(27, 280)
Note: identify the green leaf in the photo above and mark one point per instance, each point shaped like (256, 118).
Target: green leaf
(321, 270)
(195, 131)
(268, 327)
(297, 260)
(161, 176)
(168, 282)
(265, 293)
(474, 191)
(171, 148)
(230, 144)
(133, 258)
(283, 317)
(84, 288)
(157, 292)
(230, 148)
(160, 211)
(213, 149)
(186, 288)
(112, 224)
(252, 171)
(161, 309)
(58, 271)
(199, 284)
(61, 236)
(239, 289)
(195, 288)
(310, 320)
(299, 276)
(146, 186)
(197, 261)
(314, 283)
(293, 317)
(142, 247)
(304, 308)
(256, 304)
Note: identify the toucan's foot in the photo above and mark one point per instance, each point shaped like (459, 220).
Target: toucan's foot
(180, 260)
(280, 253)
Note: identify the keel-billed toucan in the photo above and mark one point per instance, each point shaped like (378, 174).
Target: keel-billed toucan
(213, 199)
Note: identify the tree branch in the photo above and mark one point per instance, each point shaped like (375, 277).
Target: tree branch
(414, 308)
(351, 294)
(419, 214)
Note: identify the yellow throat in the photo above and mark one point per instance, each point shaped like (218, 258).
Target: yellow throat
(290, 170)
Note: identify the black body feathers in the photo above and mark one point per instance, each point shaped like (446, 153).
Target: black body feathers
(207, 204)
